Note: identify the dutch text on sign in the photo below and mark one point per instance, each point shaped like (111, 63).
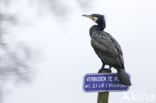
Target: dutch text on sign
(103, 82)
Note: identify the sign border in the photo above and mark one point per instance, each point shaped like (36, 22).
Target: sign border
(102, 90)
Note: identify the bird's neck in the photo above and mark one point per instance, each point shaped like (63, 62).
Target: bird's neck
(99, 27)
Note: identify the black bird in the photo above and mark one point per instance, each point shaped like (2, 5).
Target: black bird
(107, 48)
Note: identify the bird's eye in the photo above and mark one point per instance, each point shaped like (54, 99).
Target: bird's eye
(94, 18)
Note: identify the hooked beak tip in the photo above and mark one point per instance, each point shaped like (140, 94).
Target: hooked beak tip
(85, 15)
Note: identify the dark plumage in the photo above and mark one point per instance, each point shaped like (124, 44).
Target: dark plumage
(107, 48)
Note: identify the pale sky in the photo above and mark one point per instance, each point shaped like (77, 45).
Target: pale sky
(63, 53)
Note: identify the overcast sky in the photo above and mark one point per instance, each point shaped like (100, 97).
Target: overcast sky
(59, 36)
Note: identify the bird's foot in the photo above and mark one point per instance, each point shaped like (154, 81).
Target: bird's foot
(105, 70)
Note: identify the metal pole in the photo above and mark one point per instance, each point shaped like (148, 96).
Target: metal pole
(103, 97)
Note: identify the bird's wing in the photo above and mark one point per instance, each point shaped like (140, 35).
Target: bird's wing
(103, 42)
(116, 44)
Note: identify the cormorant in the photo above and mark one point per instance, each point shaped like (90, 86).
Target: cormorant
(107, 48)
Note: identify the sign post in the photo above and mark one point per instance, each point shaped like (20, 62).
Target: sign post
(103, 82)
(103, 97)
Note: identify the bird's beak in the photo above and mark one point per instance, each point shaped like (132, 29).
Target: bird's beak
(91, 17)
(88, 16)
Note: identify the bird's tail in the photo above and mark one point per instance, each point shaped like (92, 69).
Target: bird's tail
(124, 77)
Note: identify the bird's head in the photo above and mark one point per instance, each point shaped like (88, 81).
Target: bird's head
(98, 18)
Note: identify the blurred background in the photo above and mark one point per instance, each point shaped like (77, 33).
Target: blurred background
(45, 49)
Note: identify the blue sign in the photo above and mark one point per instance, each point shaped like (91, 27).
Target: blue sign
(103, 82)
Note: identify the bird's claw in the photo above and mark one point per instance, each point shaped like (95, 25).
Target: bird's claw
(104, 70)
